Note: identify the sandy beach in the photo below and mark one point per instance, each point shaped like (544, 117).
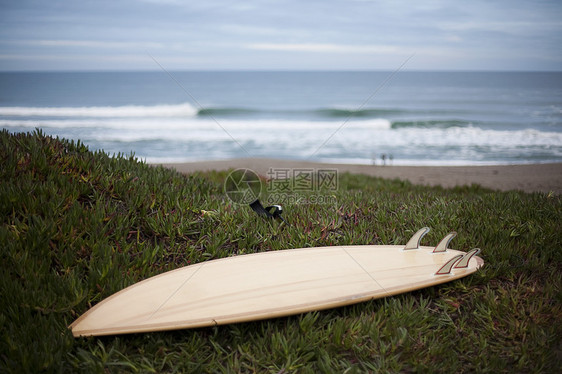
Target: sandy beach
(529, 178)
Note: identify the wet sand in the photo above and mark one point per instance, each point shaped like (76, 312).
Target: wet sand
(529, 178)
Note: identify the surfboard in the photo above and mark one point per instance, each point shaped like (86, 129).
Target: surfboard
(275, 284)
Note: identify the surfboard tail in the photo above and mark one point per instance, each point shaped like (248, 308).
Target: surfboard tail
(460, 261)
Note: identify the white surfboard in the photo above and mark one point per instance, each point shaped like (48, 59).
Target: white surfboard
(275, 284)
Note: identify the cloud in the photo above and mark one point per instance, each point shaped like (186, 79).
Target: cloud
(218, 34)
(104, 44)
(323, 48)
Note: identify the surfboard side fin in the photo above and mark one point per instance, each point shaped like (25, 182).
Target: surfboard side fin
(463, 263)
(446, 269)
(442, 246)
(414, 242)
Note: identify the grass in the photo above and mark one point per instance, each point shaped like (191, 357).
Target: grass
(78, 226)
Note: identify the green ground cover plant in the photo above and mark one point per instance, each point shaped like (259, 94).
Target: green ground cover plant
(77, 226)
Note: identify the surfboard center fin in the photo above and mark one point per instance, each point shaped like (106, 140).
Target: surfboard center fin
(414, 242)
(442, 246)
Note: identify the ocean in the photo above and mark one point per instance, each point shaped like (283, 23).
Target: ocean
(409, 118)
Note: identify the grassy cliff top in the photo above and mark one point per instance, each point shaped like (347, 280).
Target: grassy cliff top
(78, 226)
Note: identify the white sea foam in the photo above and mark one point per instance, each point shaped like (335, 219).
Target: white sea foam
(373, 132)
(179, 110)
(356, 141)
(171, 124)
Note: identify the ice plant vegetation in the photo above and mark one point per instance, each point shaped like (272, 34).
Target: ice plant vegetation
(77, 226)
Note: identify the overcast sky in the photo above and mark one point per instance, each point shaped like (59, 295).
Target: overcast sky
(287, 35)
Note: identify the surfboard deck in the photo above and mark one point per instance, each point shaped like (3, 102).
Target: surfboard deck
(274, 284)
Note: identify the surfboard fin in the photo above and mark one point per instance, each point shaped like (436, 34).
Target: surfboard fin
(446, 269)
(463, 263)
(414, 242)
(442, 246)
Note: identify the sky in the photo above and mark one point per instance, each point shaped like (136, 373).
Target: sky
(73, 35)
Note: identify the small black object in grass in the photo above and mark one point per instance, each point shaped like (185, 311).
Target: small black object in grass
(272, 211)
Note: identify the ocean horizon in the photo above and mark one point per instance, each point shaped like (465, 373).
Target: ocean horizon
(409, 118)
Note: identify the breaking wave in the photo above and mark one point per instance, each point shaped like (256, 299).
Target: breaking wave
(126, 111)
